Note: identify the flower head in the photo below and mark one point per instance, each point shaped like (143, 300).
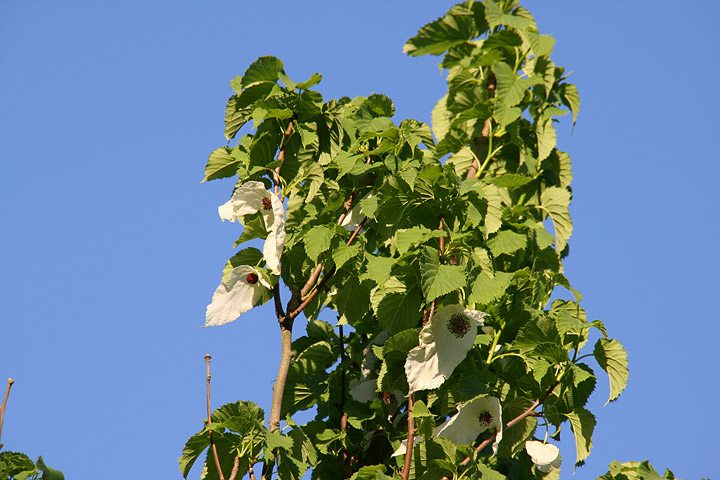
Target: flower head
(252, 197)
(545, 456)
(473, 418)
(238, 294)
(444, 343)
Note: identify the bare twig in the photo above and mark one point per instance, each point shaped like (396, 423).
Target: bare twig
(410, 438)
(212, 443)
(343, 418)
(4, 404)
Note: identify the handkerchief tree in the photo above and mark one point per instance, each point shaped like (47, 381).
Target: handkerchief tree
(424, 261)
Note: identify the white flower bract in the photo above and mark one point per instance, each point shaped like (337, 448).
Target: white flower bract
(545, 456)
(444, 343)
(252, 197)
(472, 418)
(242, 290)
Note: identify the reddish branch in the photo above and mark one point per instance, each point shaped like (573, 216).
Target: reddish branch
(410, 438)
(4, 404)
(212, 444)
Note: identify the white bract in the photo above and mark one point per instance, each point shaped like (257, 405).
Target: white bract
(242, 290)
(473, 418)
(356, 215)
(545, 456)
(253, 197)
(444, 343)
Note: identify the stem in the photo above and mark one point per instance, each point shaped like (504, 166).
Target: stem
(343, 418)
(279, 387)
(251, 472)
(410, 438)
(236, 468)
(4, 404)
(492, 347)
(281, 157)
(212, 444)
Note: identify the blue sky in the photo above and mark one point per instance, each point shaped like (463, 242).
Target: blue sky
(111, 248)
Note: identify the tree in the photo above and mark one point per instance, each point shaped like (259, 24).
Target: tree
(437, 252)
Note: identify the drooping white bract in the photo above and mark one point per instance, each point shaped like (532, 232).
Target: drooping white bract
(545, 456)
(473, 418)
(252, 197)
(242, 290)
(444, 343)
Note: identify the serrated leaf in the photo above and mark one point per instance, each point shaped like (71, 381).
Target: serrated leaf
(398, 311)
(505, 115)
(582, 423)
(378, 268)
(222, 163)
(314, 79)
(275, 440)
(485, 289)
(194, 447)
(264, 69)
(495, 17)
(556, 202)
(507, 241)
(546, 138)
(440, 119)
(342, 253)
(493, 218)
(612, 357)
(420, 410)
(510, 87)
(437, 279)
(570, 97)
(317, 240)
(455, 27)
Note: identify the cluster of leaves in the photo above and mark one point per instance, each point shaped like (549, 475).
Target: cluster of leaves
(18, 466)
(477, 217)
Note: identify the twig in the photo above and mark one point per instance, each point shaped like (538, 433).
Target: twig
(236, 468)
(251, 472)
(281, 157)
(343, 418)
(410, 438)
(212, 443)
(4, 404)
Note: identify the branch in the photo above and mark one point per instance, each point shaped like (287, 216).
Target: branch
(212, 444)
(236, 468)
(4, 404)
(410, 438)
(281, 156)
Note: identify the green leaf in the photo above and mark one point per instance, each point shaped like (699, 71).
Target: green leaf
(378, 268)
(510, 87)
(16, 465)
(399, 310)
(505, 115)
(342, 253)
(371, 472)
(253, 227)
(583, 423)
(223, 163)
(546, 138)
(556, 202)
(507, 241)
(420, 410)
(310, 82)
(457, 26)
(49, 473)
(240, 417)
(317, 240)
(409, 237)
(570, 97)
(485, 289)
(275, 440)
(264, 69)
(440, 119)
(439, 280)
(353, 299)
(612, 358)
(194, 447)
(496, 17)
